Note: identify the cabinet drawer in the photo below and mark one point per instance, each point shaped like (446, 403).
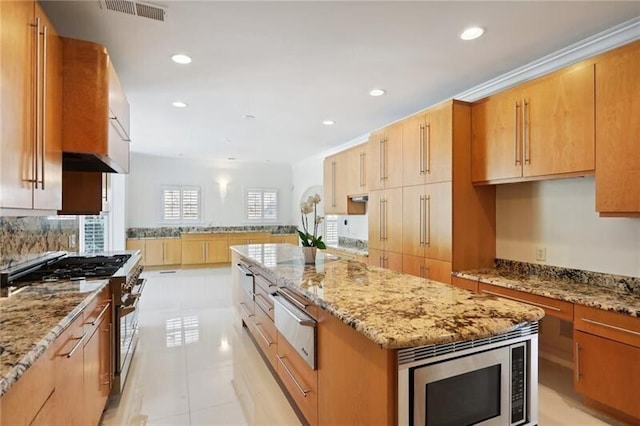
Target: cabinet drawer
(552, 307)
(465, 283)
(299, 379)
(246, 306)
(265, 284)
(95, 311)
(266, 336)
(620, 327)
(263, 302)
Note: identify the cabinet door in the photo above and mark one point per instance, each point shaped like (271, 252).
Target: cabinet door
(193, 252)
(48, 194)
(376, 258)
(137, 244)
(437, 270)
(438, 143)
(335, 184)
(606, 370)
(97, 371)
(618, 131)
(413, 150)
(413, 265)
(154, 252)
(217, 251)
(437, 221)
(172, 251)
(558, 120)
(17, 94)
(392, 220)
(495, 137)
(69, 375)
(393, 156)
(375, 155)
(413, 220)
(357, 170)
(375, 220)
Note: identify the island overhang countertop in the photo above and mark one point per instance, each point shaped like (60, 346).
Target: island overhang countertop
(393, 310)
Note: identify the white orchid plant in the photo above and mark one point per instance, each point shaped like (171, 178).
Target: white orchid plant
(308, 239)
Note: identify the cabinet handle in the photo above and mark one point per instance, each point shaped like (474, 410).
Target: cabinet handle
(363, 164)
(540, 305)
(264, 307)
(386, 211)
(43, 106)
(243, 306)
(381, 160)
(34, 160)
(101, 314)
(292, 298)
(427, 161)
(577, 367)
(515, 138)
(421, 149)
(380, 222)
(291, 376)
(612, 327)
(267, 341)
(76, 346)
(421, 224)
(525, 133)
(386, 164)
(333, 184)
(427, 220)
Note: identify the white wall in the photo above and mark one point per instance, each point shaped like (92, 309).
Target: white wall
(305, 174)
(220, 207)
(560, 216)
(357, 226)
(117, 215)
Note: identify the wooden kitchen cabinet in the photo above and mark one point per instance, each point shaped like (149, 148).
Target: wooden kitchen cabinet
(137, 244)
(385, 220)
(69, 375)
(153, 252)
(284, 239)
(385, 259)
(172, 251)
(157, 251)
(193, 251)
(427, 147)
(430, 269)
(217, 251)
(335, 184)
(30, 109)
(357, 170)
(426, 221)
(606, 357)
(618, 132)
(97, 363)
(465, 283)
(384, 158)
(544, 128)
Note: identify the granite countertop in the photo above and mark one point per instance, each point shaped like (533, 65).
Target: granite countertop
(31, 319)
(352, 250)
(603, 291)
(391, 309)
(176, 231)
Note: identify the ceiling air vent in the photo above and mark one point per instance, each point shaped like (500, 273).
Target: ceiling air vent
(136, 8)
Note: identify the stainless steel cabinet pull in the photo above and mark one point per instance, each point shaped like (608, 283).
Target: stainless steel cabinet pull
(540, 305)
(267, 341)
(386, 165)
(35, 162)
(525, 133)
(43, 106)
(612, 327)
(301, 321)
(427, 161)
(292, 298)
(381, 160)
(427, 221)
(421, 149)
(243, 306)
(515, 139)
(381, 238)
(76, 346)
(291, 376)
(577, 366)
(101, 314)
(264, 307)
(333, 184)
(363, 169)
(421, 224)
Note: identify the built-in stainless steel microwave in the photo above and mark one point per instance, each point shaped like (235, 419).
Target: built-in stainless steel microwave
(486, 383)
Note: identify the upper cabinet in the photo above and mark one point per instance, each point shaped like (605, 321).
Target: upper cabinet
(357, 170)
(335, 188)
(426, 146)
(384, 159)
(618, 132)
(30, 109)
(95, 126)
(541, 129)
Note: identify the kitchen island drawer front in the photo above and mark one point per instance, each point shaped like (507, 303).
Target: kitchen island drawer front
(299, 301)
(267, 286)
(263, 302)
(611, 325)
(465, 283)
(299, 379)
(266, 336)
(552, 307)
(96, 311)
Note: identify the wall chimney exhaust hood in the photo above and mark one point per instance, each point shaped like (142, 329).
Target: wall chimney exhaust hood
(95, 111)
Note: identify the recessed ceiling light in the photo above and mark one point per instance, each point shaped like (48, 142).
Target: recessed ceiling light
(249, 117)
(181, 59)
(328, 122)
(231, 158)
(179, 104)
(377, 92)
(472, 33)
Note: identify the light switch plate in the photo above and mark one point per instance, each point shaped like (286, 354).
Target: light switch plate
(541, 254)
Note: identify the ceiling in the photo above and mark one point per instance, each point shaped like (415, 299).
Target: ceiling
(294, 64)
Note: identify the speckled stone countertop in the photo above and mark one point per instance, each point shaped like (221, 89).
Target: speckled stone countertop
(176, 231)
(393, 310)
(31, 319)
(604, 291)
(352, 250)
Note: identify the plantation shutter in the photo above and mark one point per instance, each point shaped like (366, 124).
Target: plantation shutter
(190, 204)
(171, 204)
(181, 203)
(331, 229)
(270, 205)
(262, 205)
(254, 205)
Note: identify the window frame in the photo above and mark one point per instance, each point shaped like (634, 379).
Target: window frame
(181, 220)
(261, 219)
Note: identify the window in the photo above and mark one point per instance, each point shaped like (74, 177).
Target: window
(262, 205)
(331, 229)
(181, 204)
(93, 231)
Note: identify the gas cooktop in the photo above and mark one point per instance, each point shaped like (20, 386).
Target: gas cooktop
(75, 267)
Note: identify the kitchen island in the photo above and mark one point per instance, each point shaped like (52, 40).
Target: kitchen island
(365, 317)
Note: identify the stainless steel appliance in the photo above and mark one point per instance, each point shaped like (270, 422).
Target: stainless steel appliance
(123, 270)
(297, 327)
(491, 381)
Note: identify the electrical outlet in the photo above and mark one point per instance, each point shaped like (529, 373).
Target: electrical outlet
(541, 254)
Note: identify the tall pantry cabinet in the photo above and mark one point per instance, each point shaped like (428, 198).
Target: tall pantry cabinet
(30, 109)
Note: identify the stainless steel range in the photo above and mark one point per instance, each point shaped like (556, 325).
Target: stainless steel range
(123, 270)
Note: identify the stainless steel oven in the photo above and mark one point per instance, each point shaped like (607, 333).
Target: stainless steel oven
(487, 382)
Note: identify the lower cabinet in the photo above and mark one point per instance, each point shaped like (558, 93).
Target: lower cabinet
(436, 270)
(69, 368)
(607, 359)
(97, 364)
(157, 251)
(465, 283)
(386, 259)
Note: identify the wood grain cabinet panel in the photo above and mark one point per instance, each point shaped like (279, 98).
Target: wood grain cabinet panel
(465, 283)
(357, 170)
(154, 252)
(384, 158)
(137, 244)
(430, 269)
(193, 252)
(618, 132)
(69, 375)
(172, 251)
(335, 184)
(97, 368)
(30, 109)
(217, 251)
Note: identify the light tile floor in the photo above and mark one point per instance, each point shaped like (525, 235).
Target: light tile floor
(195, 365)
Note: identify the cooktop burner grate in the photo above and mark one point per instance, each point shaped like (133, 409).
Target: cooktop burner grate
(76, 267)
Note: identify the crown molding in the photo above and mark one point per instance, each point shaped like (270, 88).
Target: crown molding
(601, 42)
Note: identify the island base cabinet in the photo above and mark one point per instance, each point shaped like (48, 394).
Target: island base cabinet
(266, 336)
(69, 375)
(97, 370)
(385, 259)
(299, 379)
(608, 372)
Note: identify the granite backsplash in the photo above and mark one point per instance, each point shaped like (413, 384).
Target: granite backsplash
(25, 238)
(353, 243)
(175, 231)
